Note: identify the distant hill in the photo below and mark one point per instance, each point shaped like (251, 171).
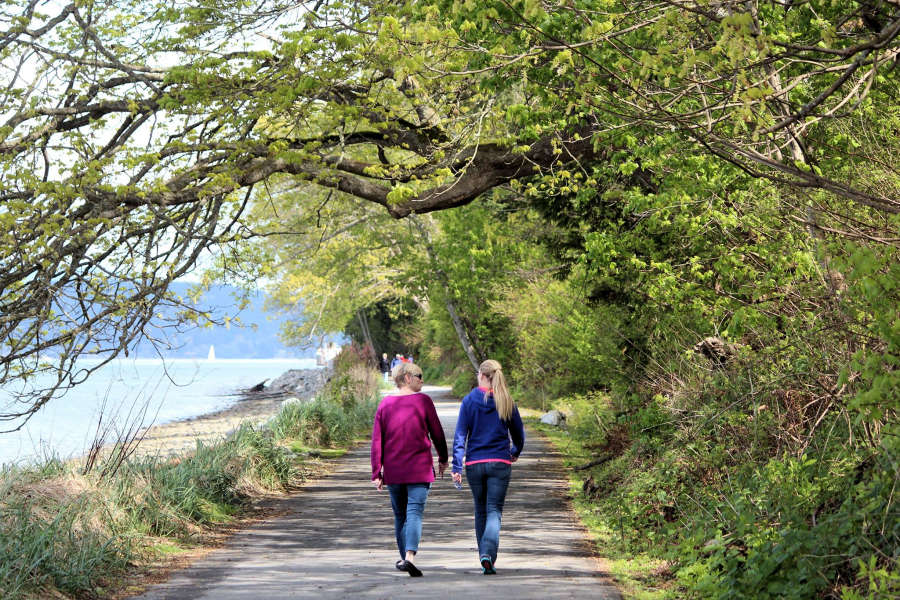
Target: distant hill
(255, 336)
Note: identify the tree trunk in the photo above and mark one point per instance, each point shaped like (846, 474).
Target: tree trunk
(473, 338)
(462, 334)
(465, 340)
(364, 327)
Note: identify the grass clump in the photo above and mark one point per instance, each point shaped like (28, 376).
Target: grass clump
(322, 422)
(49, 545)
(343, 409)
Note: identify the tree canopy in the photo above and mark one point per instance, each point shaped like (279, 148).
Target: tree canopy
(136, 134)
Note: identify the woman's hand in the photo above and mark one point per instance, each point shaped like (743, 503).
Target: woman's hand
(379, 483)
(457, 478)
(442, 466)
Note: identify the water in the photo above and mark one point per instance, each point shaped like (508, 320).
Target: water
(169, 390)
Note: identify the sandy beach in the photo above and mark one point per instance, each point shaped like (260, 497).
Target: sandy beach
(176, 437)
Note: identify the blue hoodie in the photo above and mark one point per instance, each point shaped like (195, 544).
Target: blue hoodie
(481, 435)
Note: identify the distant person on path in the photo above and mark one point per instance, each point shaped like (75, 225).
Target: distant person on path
(401, 457)
(385, 366)
(395, 361)
(488, 419)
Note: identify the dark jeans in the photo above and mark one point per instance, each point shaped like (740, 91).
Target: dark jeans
(408, 502)
(488, 482)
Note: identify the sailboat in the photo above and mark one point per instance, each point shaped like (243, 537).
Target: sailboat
(212, 353)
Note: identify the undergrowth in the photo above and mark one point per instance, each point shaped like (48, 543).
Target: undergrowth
(703, 497)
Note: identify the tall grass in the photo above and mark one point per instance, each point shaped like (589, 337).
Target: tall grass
(65, 533)
(55, 546)
(344, 408)
(172, 497)
(322, 422)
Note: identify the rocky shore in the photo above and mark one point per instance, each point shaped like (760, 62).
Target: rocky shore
(301, 384)
(256, 405)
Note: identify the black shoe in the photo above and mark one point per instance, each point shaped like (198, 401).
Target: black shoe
(410, 568)
(399, 564)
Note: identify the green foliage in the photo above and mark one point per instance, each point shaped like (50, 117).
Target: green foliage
(61, 551)
(389, 322)
(767, 473)
(781, 527)
(651, 177)
(874, 281)
(462, 382)
(473, 251)
(338, 414)
(349, 260)
(563, 343)
(793, 529)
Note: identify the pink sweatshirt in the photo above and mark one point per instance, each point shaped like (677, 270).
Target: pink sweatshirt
(400, 439)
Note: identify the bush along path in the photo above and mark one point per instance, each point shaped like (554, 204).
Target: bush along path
(335, 540)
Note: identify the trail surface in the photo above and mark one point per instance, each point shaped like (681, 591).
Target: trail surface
(336, 540)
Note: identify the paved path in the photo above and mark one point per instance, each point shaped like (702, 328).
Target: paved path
(336, 540)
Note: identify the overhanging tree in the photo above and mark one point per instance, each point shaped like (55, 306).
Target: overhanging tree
(135, 135)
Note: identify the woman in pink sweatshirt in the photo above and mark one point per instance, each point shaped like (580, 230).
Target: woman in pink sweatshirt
(406, 425)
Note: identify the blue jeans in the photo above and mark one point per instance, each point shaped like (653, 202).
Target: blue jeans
(408, 502)
(488, 482)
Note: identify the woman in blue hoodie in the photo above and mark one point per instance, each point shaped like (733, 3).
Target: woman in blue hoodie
(488, 420)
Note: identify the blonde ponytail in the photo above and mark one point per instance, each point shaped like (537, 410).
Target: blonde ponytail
(502, 400)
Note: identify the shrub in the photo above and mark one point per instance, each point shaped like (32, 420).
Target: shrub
(344, 407)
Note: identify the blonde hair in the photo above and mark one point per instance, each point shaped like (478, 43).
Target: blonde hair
(502, 400)
(402, 370)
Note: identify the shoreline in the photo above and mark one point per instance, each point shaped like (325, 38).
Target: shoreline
(131, 396)
(177, 437)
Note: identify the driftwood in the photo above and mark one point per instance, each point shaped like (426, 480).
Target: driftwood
(258, 387)
(595, 462)
(277, 394)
